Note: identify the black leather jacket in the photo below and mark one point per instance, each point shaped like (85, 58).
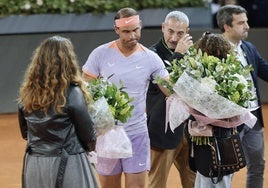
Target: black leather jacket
(48, 134)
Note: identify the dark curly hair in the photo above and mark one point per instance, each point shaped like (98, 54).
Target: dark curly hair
(214, 44)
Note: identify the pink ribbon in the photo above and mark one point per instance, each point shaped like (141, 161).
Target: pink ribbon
(247, 118)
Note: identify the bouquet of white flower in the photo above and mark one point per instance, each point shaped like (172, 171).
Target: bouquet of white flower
(215, 91)
(110, 104)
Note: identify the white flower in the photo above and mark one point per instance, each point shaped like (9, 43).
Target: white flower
(118, 100)
(219, 68)
(39, 2)
(27, 6)
(72, 1)
(218, 89)
(242, 80)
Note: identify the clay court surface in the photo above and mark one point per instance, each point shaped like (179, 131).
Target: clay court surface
(12, 150)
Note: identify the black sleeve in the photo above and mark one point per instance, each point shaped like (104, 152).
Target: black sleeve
(262, 65)
(177, 55)
(83, 124)
(22, 122)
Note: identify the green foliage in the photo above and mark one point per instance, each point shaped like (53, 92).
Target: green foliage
(117, 99)
(200, 140)
(170, 3)
(226, 76)
(27, 7)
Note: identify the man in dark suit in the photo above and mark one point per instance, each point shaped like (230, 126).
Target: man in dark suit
(169, 147)
(233, 22)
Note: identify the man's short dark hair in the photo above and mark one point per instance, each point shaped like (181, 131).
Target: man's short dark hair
(225, 15)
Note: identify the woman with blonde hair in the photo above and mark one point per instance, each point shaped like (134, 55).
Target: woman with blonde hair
(54, 119)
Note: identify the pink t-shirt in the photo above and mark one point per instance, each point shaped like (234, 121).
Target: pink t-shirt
(135, 72)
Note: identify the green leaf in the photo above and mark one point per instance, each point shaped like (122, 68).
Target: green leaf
(118, 100)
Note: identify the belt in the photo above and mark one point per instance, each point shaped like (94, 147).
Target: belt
(221, 132)
(57, 152)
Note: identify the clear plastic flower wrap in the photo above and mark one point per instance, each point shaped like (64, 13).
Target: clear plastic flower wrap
(110, 104)
(205, 100)
(114, 144)
(101, 116)
(214, 91)
(193, 97)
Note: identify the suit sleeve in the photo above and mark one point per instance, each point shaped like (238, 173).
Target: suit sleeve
(262, 67)
(259, 64)
(177, 56)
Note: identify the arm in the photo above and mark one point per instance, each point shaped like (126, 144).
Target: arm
(81, 118)
(161, 72)
(253, 57)
(164, 90)
(90, 69)
(262, 67)
(87, 77)
(22, 123)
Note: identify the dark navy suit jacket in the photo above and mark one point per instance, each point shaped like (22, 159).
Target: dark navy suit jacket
(260, 66)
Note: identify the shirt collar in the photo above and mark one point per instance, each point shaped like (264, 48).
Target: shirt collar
(165, 45)
(236, 46)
